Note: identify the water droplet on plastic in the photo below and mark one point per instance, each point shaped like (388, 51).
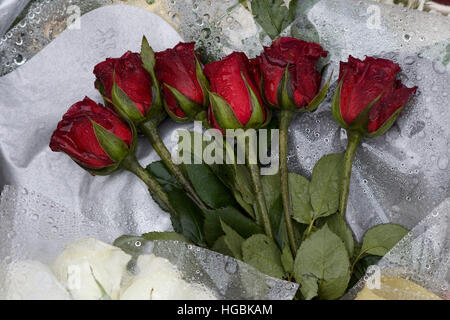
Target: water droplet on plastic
(206, 32)
(409, 60)
(442, 162)
(438, 67)
(231, 267)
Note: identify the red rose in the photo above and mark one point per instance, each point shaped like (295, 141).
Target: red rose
(130, 76)
(234, 96)
(180, 74)
(300, 58)
(361, 83)
(76, 135)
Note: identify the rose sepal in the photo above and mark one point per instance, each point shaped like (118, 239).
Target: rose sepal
(113, 146)
(317, 100)
(203, 82)
(223, 113)
(285, 96)
(257, 117)
(336, 107)
(148, 63)
(189, 107)
(361, 123)
(387, 125)
(101, 88)
(123, 105)
(99, 172)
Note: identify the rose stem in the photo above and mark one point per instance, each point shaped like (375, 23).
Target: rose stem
(131, 164)
(286, 117)
(150, 129)
(354, 139)
(257, 185)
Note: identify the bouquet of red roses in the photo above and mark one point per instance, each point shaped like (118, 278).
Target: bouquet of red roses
(216, 186)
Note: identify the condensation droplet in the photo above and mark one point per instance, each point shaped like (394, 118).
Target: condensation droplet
(439, 67)
(442, 162)
(409, 60)
(231, 267)
(206, 32)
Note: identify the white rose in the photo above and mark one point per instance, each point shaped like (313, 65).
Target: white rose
(91, 269)
(30, 280)
(158, 279)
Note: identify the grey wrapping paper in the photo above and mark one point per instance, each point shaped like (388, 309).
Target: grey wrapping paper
(422, 256)
(9, 10)
(35, 228)
(34, 98)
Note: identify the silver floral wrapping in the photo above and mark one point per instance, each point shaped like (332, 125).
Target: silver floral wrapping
(399, 177)
(422, 256)
(34, 228)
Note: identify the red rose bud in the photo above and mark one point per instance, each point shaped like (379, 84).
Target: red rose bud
(234, 96)
(129, 84)
(184, 85)
(288, 75)
(369, 99)
(94, 136)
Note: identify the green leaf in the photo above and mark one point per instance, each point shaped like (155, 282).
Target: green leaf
(324, 189)
(304, 29)
(271, 188)
(114, 147)
(309, 287)
(233, 218)
(244, 205)
(212, 227)
(272, 194)
(189, 216)
(277, 221)
(339, 226)
(164, 236)
(322, 258)
(262, 253)
(237, 178)
(160, 172)
(132, 245)
(233, 240)
(287, 260)
(273, 15)
(221, 247)
(361, 267)
(299, 192)
(381, 238)
(209, 187)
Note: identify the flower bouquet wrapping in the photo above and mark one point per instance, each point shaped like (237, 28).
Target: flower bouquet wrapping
(230, 185)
